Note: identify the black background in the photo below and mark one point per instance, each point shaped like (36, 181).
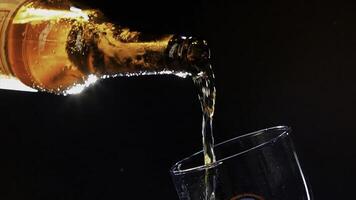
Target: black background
(279, 62)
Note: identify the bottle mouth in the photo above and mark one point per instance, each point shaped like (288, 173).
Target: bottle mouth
(189, 50)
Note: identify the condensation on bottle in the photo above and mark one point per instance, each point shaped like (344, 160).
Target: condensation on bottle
(55, 46)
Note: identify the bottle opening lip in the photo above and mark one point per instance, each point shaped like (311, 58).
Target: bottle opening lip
(190, 50)
(272, 134)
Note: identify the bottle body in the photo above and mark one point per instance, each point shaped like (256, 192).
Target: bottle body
(36, 52)
(8, 9)
(55, 46)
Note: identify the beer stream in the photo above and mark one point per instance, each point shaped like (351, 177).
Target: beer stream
(204, 83)
(207, 95)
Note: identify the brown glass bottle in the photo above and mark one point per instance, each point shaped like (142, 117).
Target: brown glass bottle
(55, 46)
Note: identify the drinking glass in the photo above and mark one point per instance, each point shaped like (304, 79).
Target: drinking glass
(262, 165)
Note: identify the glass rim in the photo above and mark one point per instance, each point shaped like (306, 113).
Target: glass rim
(284, 131)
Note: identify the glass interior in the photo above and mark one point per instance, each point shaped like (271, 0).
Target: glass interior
(226, 150)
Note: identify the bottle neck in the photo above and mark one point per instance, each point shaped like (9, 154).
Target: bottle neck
(105, 49)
